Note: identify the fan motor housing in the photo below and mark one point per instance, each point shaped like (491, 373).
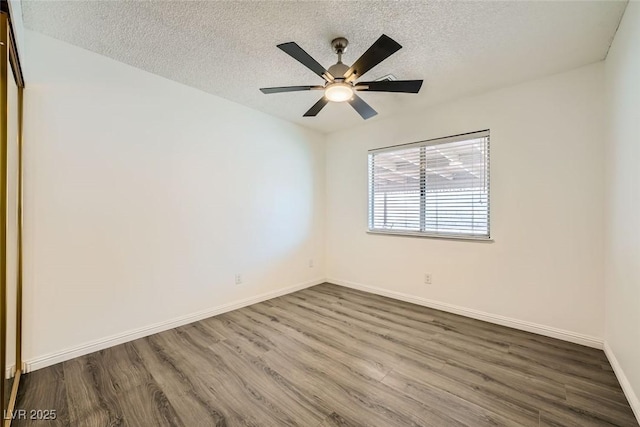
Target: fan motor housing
(338, 70)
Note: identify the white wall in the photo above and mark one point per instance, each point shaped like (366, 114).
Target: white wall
(145, 197)
(544, 268)
(622, 216)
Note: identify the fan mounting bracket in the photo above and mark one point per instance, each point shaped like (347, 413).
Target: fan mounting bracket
(339, 45)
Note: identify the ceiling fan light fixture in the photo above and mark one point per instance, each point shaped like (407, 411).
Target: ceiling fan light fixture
(338, 92)
(341, 80)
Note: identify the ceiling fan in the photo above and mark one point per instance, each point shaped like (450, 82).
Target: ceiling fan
(340, 79)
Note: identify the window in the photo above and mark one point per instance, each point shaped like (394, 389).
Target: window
(437, 188)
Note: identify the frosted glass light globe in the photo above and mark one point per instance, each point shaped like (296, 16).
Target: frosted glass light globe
(338, 92)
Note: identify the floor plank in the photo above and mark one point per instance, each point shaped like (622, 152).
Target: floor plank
(331, 356)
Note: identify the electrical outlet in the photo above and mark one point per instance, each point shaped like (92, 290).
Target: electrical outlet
(427, 278)
(238, 279)
(311, 263)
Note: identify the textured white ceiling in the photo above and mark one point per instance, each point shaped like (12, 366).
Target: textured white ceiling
(228, 48)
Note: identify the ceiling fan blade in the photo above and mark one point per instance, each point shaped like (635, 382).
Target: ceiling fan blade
(406, 86)
(383, 48)
(289, 89)
(362, 107)
(297, 53)
(313, 111)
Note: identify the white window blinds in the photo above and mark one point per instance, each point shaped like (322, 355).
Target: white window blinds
(433, 188)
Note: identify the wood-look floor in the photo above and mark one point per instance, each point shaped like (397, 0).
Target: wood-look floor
(331, 356)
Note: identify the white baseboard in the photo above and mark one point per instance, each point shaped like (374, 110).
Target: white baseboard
(10, 371)
(631, 395)
(100, 344)
(480, 315)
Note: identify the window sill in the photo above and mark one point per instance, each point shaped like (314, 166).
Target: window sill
(482, 239)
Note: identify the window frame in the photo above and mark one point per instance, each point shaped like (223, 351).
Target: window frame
(485, 133)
